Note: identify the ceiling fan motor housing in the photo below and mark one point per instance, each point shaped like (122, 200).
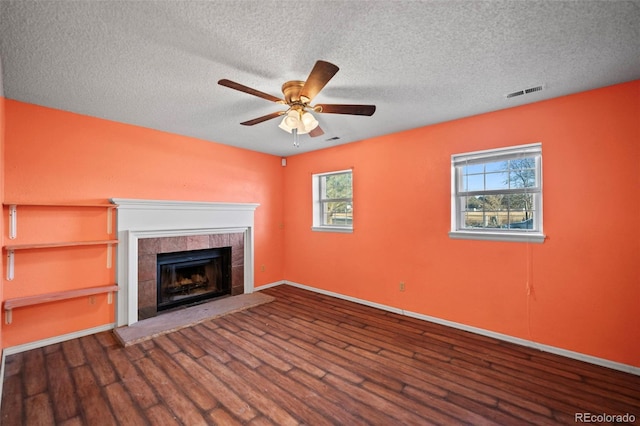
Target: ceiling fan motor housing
(291, 90)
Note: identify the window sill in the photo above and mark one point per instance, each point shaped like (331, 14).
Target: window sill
(498, 236)
(341, 230)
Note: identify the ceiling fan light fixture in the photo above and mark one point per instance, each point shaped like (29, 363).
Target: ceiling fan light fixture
(292, 119)
(309, 121)
(283, 125)
(303, 122)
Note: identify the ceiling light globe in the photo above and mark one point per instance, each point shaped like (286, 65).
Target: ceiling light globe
(283, 125)
(302, 130)
(309, 121)
(292, 119)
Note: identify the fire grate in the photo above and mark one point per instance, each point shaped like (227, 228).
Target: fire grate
(189, 277)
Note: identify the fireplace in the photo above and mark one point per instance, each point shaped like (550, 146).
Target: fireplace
(189, 277)
(149, 227)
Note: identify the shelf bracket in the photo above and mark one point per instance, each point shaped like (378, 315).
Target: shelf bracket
(110, 220)
(10, 264)
(109, 256)
(13, 221)
(8, 316)
(110, 298)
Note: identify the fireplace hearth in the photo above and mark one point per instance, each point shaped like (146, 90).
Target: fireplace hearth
(189, 277)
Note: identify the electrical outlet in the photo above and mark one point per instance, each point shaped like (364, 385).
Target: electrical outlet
(92, 300)
(263, 268)
(401, 285)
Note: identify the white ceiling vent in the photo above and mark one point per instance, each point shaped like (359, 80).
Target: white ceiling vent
(525, 91)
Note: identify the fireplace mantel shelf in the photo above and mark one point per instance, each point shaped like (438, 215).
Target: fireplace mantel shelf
(129, 203)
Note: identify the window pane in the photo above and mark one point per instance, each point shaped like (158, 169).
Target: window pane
(522, 173)
(497, 180)
(519, 201)
(336, 186)
(473, 219)
(522, 178)
(503, 211)
(473, 183)
(472, 203)
(485, 219)
(498, 175)
(472, 169)
(520, 220)
(337, 213)
(495, 166)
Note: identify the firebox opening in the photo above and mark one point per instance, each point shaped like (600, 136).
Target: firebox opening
(189, 277)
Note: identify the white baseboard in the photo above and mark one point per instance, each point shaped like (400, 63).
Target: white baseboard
(504, 337)
(266, 286)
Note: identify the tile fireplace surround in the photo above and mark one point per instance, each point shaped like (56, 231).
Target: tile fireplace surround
(158, 219)
(149, 248)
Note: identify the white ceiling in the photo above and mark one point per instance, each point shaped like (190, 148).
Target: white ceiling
(156, 64)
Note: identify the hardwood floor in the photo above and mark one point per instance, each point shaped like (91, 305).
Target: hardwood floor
(307, 359)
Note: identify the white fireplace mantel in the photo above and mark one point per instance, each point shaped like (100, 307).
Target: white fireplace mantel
(161, 218)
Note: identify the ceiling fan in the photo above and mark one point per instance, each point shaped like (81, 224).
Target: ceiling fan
(298, 96)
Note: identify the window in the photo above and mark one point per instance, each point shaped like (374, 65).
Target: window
(333, 201)
(497, 194)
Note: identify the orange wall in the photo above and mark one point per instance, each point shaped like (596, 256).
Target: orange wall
(56, 156)
(584, 279)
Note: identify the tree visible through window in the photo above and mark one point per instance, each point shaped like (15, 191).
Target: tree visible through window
(335, 195)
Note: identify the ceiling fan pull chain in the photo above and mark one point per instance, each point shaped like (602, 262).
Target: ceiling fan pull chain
(295, 137)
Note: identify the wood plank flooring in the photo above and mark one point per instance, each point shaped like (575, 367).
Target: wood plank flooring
(307, 359)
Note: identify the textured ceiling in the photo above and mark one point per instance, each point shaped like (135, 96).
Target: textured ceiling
(156, 64)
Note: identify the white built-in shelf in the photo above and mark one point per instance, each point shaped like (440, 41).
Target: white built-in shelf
(58, 244)
(19, 302)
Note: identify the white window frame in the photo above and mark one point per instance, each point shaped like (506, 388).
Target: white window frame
(318, 200)
(458, 161)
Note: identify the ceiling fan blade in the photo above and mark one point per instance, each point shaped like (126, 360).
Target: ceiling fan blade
(345, 109)
(242, 88)
(263, 118)
(320, 75)
(316, 132)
